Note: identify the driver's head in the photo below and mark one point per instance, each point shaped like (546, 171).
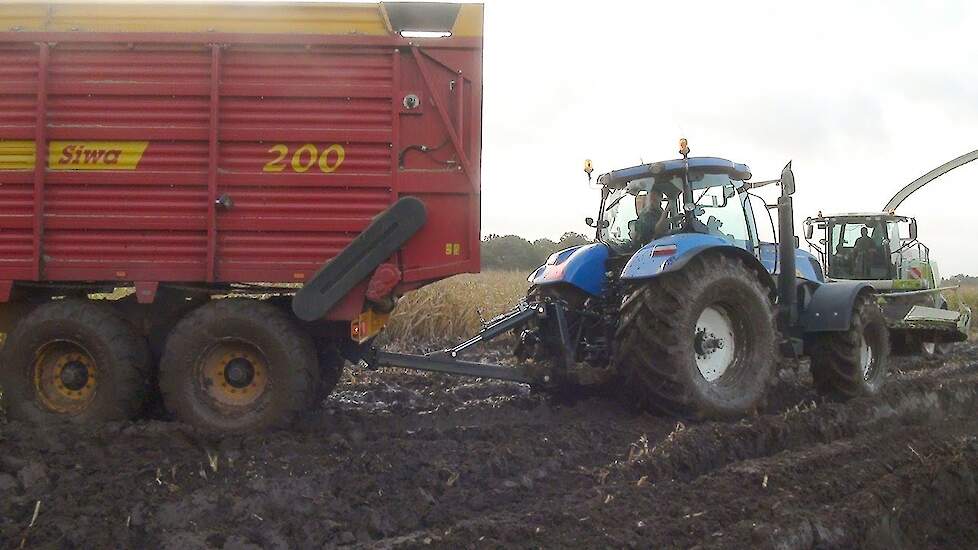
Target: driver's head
(864, 231)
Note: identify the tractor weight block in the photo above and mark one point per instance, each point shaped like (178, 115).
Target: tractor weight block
(382, 238)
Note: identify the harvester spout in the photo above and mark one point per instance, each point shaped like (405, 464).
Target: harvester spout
(916, 184)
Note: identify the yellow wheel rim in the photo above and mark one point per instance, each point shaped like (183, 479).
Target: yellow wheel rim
(65, 377)
(234, 374)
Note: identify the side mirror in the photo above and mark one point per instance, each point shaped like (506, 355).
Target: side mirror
(913, 230)
(809, 230)
(797, 242)
(787, 180)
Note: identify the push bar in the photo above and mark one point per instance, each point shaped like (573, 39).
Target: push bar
(446, 361)
(449, 365)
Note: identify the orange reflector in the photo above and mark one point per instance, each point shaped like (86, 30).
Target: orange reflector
(367, 325)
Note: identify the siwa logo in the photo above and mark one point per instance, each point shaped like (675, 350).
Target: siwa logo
(77, 154)
(95, 155)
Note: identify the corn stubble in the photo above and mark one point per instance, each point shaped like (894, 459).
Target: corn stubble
(449, 311)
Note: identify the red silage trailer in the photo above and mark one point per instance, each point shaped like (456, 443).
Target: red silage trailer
(313, 161)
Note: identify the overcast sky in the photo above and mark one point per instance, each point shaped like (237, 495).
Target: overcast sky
(862, 96)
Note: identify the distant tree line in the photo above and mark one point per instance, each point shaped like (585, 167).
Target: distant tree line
(963, 280)
(515, 252)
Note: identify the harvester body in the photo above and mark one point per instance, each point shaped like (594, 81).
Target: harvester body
(882, 250)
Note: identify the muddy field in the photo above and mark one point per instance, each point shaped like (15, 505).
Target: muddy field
(403, 460)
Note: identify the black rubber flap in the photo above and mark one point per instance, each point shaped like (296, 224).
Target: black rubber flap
(385, 234)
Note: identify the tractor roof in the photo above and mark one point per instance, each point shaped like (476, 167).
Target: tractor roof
(714, 165)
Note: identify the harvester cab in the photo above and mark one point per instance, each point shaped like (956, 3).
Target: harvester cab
(882, 250)
(678, 305)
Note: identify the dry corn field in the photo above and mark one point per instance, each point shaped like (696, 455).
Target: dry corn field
(968, 295)
(449, 310)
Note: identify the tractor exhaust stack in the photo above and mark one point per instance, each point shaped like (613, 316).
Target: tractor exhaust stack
(787, 313)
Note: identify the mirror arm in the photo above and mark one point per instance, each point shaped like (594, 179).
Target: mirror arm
(599, 223)
(813, 245)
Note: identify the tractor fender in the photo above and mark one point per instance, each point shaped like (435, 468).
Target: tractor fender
(647, 263)
(830, 309)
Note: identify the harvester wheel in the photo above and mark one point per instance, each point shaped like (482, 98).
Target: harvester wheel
(853, 363)
(238, 365)
(74, 360)
(698, 343)
(933, 349)
(907, 345)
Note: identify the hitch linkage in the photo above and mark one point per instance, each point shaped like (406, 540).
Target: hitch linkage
(447, 361)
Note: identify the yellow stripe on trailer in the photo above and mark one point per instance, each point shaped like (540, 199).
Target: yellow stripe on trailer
(17, 155)
(74, 155)
(228, 17)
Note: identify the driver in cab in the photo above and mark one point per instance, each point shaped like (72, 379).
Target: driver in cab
(652, 221)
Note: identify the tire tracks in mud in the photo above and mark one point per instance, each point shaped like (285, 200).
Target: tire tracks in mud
(856, 476)
(402, 460)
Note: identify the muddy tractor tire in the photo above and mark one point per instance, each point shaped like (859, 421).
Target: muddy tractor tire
(853, 363)
(238, 366)
(699, 343)
(74, 360)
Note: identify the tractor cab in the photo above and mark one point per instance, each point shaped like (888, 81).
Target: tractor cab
(647, 202)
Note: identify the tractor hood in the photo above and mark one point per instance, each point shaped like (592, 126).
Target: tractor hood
(581, 266)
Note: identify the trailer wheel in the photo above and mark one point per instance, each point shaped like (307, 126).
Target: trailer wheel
(699, 343)
(331, 364)
(238, 365)
(853, 363)
(74, 360)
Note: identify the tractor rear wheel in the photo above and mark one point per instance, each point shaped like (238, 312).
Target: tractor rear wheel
(698, 343)
(853, 363)
(238, 365)
(74, 360)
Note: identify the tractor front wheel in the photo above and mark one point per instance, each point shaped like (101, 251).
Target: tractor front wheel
(698, 343)
(853, 363)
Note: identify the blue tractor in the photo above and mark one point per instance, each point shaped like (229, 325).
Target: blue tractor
(679, 305)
